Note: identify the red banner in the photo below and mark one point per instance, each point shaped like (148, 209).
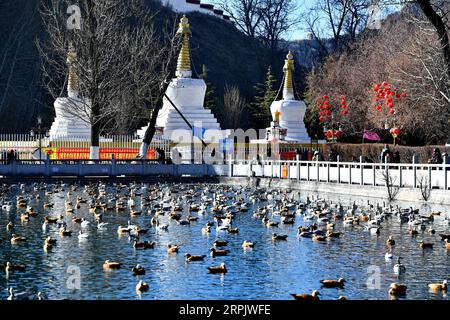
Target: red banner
(104, 153)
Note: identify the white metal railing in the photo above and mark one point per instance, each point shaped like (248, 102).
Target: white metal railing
(410, 175)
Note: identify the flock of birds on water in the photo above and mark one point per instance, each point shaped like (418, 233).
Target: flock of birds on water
(220, 205)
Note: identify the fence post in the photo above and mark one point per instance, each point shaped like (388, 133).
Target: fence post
(444, 163)
(230, 166)
(400, 175)
(307, 169)
(349, 174)
(361, 170)
(318, 169)
(338, 169)
(414, 171)
(280, 169)
(374, 174)
(429, 176)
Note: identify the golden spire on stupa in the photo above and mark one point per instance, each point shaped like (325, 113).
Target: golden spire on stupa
(73, 78)
(184, 59)
(288, 69)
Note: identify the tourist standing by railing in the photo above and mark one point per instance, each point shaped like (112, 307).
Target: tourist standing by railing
(436, 157)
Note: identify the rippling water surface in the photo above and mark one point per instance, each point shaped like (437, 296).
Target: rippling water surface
(272, 270)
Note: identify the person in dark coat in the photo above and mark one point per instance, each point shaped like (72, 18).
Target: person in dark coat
(436, 157)
(161, 155)
(396, 157)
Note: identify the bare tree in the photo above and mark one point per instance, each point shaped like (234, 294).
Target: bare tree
(266, 20)
(277, 19)
(389, 181)
(246, 14)
(340, 19)
(424, 186)
(233, 106)
(119, 61)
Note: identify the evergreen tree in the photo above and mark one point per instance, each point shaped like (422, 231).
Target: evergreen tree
(260, 108)
(210, 96)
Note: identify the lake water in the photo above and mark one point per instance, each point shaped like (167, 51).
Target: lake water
(271, 270)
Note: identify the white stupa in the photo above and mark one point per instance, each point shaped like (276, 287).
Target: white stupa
(188, 95)
(71, 119)
(288, 113)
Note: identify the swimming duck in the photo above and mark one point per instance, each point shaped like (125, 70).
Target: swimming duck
(438, 286)
(171, 248)
(102, 225)
(331, 234)
(189, 257)
(318, 237)
(25, 217)
(271, 224)
(447, 244)
(390, 241)
(163, 227)
(63, 232)
(84, 223)
(307, 297)
(342, 298)
(276, 237)
(138, 270)
(82, 236)
(206, 229)
(217, 253)
(220, 243)
(431, 230)
(333, 283)
(413, 232)
(397, 289)
(14, 267)
(142, 286)
(232, 230)
(218, 269)
(143, 245)
(248, 244)
(426, 245)
(399, 267)
(9, 226)
(111, 265)
(47, 247)
(388, 256)
(16, 239)
(50, 240)
(121, 230)
(76, 220)
(49, 220)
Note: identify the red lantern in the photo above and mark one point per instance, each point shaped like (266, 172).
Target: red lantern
(325, 97)
(378, 107)
(345, 112)
(384, 84)
(392, 111)
(395, 132)
(329, 134)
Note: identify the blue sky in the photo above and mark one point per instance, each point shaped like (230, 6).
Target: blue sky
(299, 31)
